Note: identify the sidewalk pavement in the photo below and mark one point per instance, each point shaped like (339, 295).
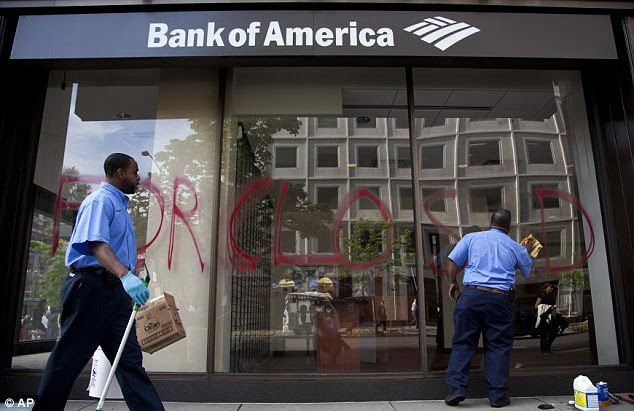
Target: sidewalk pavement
(517, 403)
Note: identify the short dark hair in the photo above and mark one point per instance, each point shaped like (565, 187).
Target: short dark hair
(501, 218)
(114, 162)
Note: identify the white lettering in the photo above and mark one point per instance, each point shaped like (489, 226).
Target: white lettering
(363, 37)
(295, 36)
(237, 37)
(253, 29)
(195, 36)
(213, 35)
(178, 38)
(323, 37)
(156, 35)
(353, 33)
(274, 34)
(159, 35)
(339, 32)
(386, 37)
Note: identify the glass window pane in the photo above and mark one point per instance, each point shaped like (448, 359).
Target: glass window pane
(436, 205)
(484, 153)
(531, 126)
(403, 156)
(406, 199)
(539, 152)
(549, 202)
(367, 204)
(162, 120)
(328, 196)
(367, 157)
(433, 157)
(486, 200)
(285, 157)
(328, 156)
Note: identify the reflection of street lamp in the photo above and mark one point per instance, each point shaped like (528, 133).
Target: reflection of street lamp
(146, 153)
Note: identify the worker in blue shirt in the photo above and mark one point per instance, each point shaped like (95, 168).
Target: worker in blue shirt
(485, 306)
(97, 294)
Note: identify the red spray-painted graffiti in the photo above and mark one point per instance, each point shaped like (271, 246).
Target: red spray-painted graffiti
(177, 212)
(184, 216)
(543, 192)
(540, 193)
(258, 188)
(437, 196)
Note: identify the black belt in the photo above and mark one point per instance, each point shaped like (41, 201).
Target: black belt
(110, 280)
(487, 289)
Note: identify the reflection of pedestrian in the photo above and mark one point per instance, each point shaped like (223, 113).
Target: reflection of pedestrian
(38, 313)
(97, 293)
(329, 339)
(53, 323)
(25, 324)
(381, 317)
(546, 324)
(302, 326)
(414, 310)
(485, 306)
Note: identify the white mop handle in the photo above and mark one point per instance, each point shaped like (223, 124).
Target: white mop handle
(116, 361)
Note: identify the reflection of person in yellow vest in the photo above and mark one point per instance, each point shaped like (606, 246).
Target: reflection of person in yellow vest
(381, 317)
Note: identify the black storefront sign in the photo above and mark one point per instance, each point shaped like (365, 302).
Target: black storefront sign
(314, 33)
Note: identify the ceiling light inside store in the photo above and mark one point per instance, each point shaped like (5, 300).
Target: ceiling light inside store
(463, 165)
(352, 165)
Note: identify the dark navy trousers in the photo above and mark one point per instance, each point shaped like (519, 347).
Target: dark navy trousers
(493, 315)
(95, 313)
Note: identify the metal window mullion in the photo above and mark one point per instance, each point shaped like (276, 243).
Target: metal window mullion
(418, 204)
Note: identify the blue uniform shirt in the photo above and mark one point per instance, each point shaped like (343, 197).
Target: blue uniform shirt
(103, 216)
(492, 258)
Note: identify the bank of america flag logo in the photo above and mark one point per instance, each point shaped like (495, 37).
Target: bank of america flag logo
(441, 32)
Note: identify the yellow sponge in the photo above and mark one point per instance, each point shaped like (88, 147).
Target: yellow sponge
(532, 244)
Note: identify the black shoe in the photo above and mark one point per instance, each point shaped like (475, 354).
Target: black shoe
(454, 399)
(502, 403)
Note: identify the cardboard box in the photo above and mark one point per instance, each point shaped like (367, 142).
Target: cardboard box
(158, 324)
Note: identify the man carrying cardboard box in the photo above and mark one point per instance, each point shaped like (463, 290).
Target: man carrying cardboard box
(96, 294)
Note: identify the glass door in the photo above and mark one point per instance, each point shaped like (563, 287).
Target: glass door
(317, 268)
(519, 140)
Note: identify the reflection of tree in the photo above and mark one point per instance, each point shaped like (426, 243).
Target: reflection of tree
(570, 282)
(75, 192)
(54, 269)
(260, 132)
(51, 283)
(301, 215)
(139, 209)
(366, 243)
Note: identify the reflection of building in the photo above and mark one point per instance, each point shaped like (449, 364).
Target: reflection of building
(481, 165)
(331, 158)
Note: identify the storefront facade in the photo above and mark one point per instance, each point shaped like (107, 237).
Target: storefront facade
(306, 170)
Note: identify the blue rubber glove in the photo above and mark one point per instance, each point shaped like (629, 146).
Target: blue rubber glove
(135, 288)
